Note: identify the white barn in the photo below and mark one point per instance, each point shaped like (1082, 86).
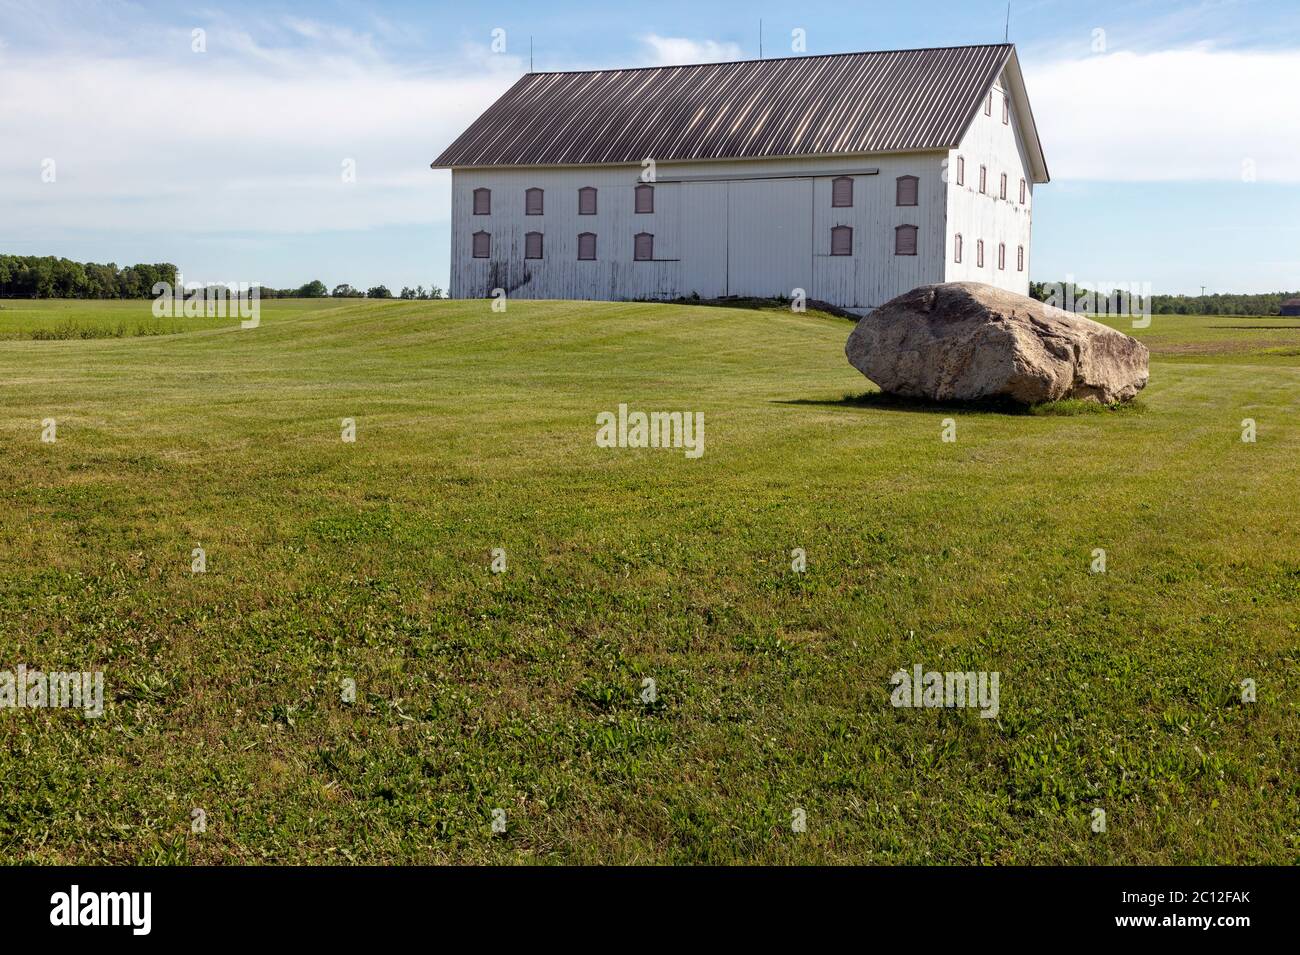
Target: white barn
(854, 177)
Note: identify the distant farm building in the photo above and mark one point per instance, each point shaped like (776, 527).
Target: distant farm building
(853, 177)
(1290, 307)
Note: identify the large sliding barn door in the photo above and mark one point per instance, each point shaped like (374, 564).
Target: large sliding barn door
(769, 236)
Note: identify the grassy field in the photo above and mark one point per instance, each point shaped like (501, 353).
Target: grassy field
(522, 691)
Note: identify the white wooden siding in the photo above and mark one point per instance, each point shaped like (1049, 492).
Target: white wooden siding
(732, 234)
(977, 216)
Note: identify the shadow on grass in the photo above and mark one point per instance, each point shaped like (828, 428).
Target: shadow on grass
(878, 400)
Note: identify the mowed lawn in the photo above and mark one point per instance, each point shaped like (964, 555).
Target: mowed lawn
(523, 691)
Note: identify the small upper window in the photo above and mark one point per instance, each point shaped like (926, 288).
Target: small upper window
(1020, 258)
(905, 191)
(482, 202)
(905, 240)
(645, 198)
(961, 170)
(956, 247)
(842, 193)
(1022, 192)
(1004, 185)
(643, 249)
(979, 253)
(1002, 255)
(587, 246)
(841, 240)
(984, 179)
(1006, 110)
(482, 245)
(533, 245)
(587, 202)
(988, 104)
(533, 202)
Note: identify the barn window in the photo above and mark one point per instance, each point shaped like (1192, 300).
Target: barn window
(956, 247)
(1022, 192)
(533, 202)
(533, 245)
(643, 249)
(905, 240)
(587, 202)
(1006, 110)
(979, 253)
(1004, 185)
(842, 192)
(482, 202)
(961, 170)
(1020, 258)
(841, 240)
(482, 245)
(905, 190)
(1002, 255)
(984, 179)
(587, 245)
(645, 199)
(988, 104)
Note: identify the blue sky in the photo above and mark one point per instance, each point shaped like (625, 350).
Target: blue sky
(1173, 134)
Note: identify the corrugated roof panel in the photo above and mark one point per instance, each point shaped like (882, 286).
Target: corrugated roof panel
(887, 101)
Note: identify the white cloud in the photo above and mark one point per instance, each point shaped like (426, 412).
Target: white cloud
(238, 139)
(1187, 114)
(676, 50)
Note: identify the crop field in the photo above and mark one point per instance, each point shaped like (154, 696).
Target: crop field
(649, 680)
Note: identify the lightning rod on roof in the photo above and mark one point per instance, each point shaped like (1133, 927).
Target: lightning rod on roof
(1006, 35)
(530, 54)
(760, 38)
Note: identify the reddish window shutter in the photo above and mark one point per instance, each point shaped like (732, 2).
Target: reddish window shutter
(906, 190)
(533, 202)
(979, 253)
(905, 240)
(1022, 192)
(842, 192)
(533, 245)
(841, 240)
(1004, 185)
(1002, 255)
(482, 245)
(482, 202)
(587, 245)
(956, 248)
(644, 247)
(984, 179)
(1020, 258)
(961, 170)
(587, 201)
(645, 199)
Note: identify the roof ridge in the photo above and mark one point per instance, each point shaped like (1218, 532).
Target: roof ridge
(767, 59)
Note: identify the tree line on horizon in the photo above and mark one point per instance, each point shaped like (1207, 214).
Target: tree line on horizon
(36, 276)
(47, 276)
(1220, 303)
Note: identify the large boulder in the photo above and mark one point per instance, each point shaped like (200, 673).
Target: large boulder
(967, 341)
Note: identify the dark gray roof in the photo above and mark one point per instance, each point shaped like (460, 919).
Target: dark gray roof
(844, 103)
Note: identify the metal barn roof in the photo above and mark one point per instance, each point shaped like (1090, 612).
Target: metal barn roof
(839, 104)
